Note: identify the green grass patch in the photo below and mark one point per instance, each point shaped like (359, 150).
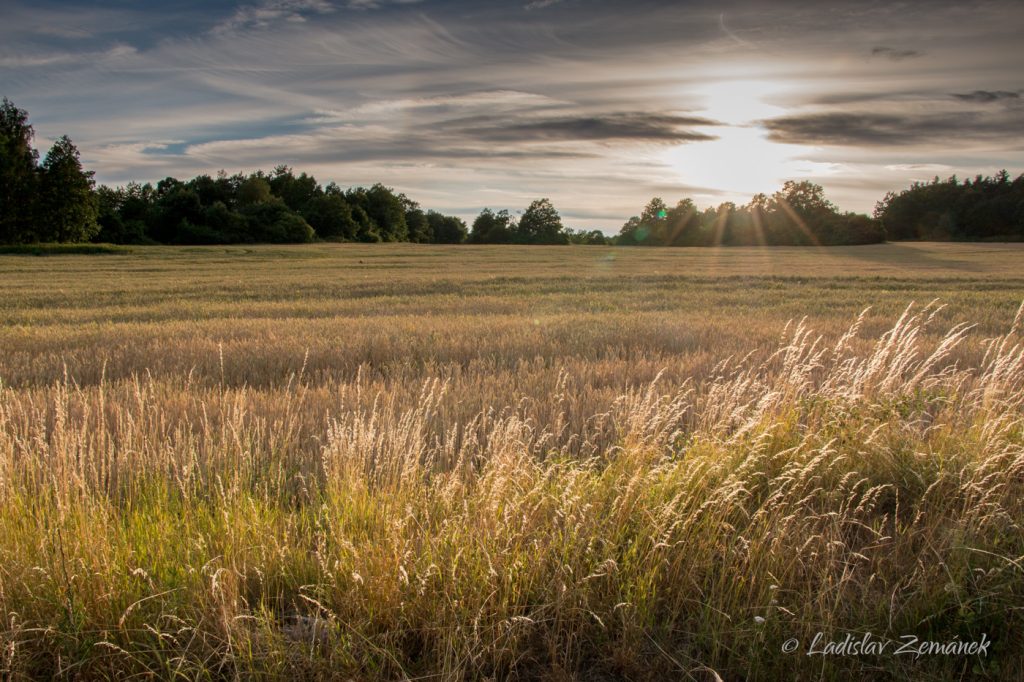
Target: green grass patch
(63, 249)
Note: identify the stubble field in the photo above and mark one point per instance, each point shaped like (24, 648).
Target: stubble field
(416, 462)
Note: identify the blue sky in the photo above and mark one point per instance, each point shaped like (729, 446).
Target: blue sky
(598, 105)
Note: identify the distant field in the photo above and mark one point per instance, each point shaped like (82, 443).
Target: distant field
(171, 311)
(404, 461)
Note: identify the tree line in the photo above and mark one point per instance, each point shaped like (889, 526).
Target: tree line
(276, 207)
(985, 209)
(798, 214)
(58, 201)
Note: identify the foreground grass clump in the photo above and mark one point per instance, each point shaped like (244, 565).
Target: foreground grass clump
(164, 529)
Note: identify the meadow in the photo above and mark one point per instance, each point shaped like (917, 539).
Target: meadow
(404, 461)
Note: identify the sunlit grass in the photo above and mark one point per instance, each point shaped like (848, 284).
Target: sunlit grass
(496, 474)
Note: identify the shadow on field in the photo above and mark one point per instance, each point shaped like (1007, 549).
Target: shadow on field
(911, 255)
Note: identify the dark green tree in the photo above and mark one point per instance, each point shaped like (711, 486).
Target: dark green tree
(331, 216)
(117, 226)
(175, 205)
(588, 237)
(18, 179)
(446, 229)
(385, 210)
(296, 192)
(366, 228)
(67, 207)
(985, 208)
(649, 228)
(254, 190)
(418, 226)
(683, 227)
(540, 224)
(799, 214)
(213, 190)
(492, 228)
(272, 222)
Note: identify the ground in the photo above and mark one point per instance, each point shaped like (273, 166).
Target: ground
(388, 460)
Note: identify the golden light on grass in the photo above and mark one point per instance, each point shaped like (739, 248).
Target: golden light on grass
(382, 479)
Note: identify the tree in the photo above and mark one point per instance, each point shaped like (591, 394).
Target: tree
(540, 224)
(67, 207)
(330, 215)
(649, 228)
(985, 208)
(492, 228)
(385, 210)
(683, 226)
(272, 222)
(418, 226)
(798, 214)
(446, 229)
(211, 190)
(806, 198)
(588, 237)
(366, 228)
(116, 225)
(18, 180)
(296, 192)
(255, 190)
(175, 204)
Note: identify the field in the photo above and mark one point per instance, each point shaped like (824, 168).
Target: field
(417, 462)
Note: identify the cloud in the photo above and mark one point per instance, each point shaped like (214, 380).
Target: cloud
(731, 34)
(376, 4)
(986, 96)
(618, 127)
(361, 143)
(894, 54)
(456, 96)
(485, 101)
(65, 58)
(925, 167)
(262, 15)
(477, 137)
(874, 129)
(119, 157)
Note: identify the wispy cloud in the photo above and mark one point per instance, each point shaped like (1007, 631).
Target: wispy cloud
(731, 34)
(986, 96)
(21, 61)
(614, 127)
(262, 15)
(895, 54)
(895, 130)
(457, 102)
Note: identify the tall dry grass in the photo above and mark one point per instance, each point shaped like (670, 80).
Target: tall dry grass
(171, 527)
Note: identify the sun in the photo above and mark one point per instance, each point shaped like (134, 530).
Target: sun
(739, 101)
(741, 161)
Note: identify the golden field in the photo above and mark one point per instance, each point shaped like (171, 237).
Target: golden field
(427, 462)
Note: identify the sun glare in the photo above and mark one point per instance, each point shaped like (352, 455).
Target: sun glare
(742, 161)
(736, 102)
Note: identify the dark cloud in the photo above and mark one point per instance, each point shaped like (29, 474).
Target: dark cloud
(637, 127)
(870, 129)
(889, 96)
(894, 54)
(986, 96)
(414, 149)
(489, 97)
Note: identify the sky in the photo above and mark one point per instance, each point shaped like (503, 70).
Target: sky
(599, 105)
